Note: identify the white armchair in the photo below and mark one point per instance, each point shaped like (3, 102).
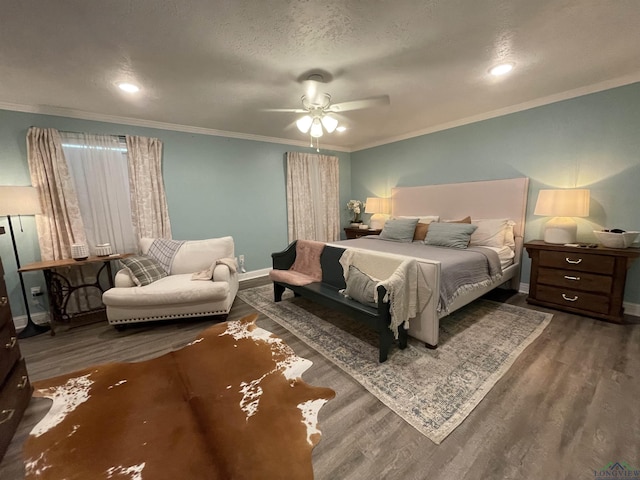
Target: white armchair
(179, 294)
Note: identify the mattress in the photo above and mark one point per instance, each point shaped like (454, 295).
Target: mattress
(461, 270)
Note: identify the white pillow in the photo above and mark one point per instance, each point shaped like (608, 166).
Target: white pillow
(491, 232)
(509, 238)
(423, 218)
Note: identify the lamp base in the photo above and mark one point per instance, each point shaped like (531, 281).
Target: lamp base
(560, 230)
(377, 221)
(32, 329)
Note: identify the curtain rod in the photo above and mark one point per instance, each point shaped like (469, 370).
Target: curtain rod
(120, 137)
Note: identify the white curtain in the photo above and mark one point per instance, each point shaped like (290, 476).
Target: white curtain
(313, 197)
(150, 213)
(98, 165)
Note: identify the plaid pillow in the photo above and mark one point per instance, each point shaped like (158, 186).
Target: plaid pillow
(143, 270)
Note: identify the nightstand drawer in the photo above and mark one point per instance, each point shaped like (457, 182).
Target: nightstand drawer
(575, 280)
(573, 298)
(581, 261)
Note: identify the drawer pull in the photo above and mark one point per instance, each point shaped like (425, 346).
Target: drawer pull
(6, 415)
(12, 343)
(575, 297)
(3, 301)
(24, 381)
(568, 277)
(573, 262)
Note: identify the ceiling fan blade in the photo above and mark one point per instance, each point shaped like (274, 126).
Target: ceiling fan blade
(287, 110)
(358, 104)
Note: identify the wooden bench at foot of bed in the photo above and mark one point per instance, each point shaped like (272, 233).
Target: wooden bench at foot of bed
(327, 292)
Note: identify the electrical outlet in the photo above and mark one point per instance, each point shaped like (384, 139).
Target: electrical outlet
(241, 264)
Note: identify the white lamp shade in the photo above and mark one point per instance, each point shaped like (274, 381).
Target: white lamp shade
(19, 201)
(329, 123)
(316, 128)
(563, 203)
(304, 123)
(377, 205)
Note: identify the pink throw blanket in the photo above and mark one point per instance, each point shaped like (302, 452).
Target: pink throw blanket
(306, 269)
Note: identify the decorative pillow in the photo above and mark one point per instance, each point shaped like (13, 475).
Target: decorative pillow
(455, 235)
(360, 286)
(490, 232)
(421, 231)
(143, 270)
(399, 229)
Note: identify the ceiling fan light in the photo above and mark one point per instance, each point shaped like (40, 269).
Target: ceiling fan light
(304, 123)
(329, 123)
(316, 128)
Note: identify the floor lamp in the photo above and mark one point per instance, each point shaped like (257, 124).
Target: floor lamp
(21, 201)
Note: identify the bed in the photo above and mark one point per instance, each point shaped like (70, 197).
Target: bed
(482, 201)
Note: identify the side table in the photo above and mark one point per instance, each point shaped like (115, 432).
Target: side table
(586, 281)
(352, 232)
(60, 288)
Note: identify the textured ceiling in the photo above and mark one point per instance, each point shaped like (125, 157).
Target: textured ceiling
(217, 65)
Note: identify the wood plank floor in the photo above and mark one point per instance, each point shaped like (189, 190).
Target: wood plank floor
(568, 406)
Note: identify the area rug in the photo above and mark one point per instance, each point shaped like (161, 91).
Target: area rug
(229, 405)
(433, 390)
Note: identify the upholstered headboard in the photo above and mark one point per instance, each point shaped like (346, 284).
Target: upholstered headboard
(484, 199)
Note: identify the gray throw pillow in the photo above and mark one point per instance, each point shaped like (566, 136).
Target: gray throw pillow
(360, 286)
(399, 229)
(143, 270)
(455, 235)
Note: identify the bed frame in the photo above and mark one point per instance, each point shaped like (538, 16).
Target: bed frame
(483, 199)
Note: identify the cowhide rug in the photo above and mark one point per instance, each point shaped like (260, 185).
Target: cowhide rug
(230, 405)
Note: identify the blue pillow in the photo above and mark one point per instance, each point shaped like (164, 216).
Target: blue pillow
(399, 229)
(454, 235)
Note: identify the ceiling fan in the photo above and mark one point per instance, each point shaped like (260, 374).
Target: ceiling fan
(319, 111)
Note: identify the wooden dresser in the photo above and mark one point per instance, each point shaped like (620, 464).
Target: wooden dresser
(15, 389)
(587, 281)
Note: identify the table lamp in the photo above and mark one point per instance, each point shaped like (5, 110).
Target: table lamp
(562, 205)
(380, 207)
(21, 201)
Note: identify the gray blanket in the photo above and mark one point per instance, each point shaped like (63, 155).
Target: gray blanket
(462, 270)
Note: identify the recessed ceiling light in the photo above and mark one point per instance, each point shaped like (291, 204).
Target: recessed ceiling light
(128, 87)
(501, 69)
(341, 128)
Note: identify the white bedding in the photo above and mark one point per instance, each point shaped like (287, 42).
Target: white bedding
(505, 254)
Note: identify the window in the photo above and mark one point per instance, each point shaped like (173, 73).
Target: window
(98, 167)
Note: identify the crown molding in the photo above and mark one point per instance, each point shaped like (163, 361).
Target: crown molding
(558, 97)
(136, 122)
(567, 95)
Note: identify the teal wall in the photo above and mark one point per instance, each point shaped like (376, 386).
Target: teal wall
(215, 186)
(223, 186)
(590, 142)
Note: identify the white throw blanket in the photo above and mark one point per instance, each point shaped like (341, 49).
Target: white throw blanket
(407, 289)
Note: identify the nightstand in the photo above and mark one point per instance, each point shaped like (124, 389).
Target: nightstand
(360, 232)
(587, 281)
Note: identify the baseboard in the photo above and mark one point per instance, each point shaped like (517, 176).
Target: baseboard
(39, 318)
(629, 308)
(253, 274)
